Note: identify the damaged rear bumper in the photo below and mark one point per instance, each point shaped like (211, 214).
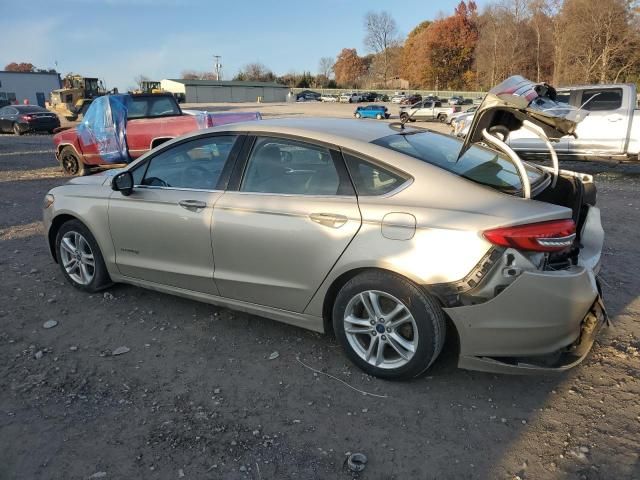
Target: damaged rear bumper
(543, 322)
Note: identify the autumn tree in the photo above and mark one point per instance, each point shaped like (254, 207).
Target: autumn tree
(608, 38)
(450, 44)
(19, 67)
(415, 56)
(381, 36)
(349, 67)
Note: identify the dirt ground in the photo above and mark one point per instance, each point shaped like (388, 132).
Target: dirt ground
(209, 393)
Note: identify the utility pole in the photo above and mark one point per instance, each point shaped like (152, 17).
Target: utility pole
(217, 67)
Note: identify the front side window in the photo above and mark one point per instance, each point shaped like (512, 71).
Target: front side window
(196, 164)
(598, 100)
(282, 166)
(371, 179)
(478, 164)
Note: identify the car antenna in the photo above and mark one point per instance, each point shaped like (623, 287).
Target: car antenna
(399, 126)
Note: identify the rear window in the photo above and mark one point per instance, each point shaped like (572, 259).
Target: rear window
(478, 164)
(145, 107)
(597, 100)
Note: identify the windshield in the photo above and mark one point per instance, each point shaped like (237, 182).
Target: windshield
(479, 164)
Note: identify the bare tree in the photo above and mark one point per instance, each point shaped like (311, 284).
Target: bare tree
(256, 72)
(325, 66)
(381, 35)
(140, 79)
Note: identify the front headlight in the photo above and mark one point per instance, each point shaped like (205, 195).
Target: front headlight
(48, 201)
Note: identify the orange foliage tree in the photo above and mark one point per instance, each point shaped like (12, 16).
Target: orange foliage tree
(349, 68)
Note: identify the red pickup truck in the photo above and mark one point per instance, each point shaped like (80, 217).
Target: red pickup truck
(112, 137)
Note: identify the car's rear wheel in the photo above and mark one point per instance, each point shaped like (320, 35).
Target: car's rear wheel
(404, 117)
(379, 117)
(388, 326)
(442, 118)
(71, 163)
(358, 115)
(17, 130)
(80, 258)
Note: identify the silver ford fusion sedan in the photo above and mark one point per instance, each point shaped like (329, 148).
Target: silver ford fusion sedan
(391, 236)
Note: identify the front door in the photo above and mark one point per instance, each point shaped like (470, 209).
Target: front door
(277, 237)
(162, 231)
(605, 129)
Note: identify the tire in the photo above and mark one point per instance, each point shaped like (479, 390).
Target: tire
(379, 117)
(75, 245)
(358, 115)
(442, 118)
(16, 129)
(419, 335)
(404, 117)
(71, 163)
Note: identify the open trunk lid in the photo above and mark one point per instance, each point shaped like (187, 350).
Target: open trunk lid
(517, 99)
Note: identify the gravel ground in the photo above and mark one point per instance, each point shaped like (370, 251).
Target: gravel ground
(203, 392)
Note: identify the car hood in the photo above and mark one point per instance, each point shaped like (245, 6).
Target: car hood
(517, 99)
(99, 178)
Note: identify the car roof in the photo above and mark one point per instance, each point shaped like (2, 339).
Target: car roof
(340, 131)
(29, 108)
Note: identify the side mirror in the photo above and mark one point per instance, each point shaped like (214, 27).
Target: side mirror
(123, 183)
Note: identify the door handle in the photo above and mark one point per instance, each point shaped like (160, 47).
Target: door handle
(192, 204)
(614, 118)
(329, 219)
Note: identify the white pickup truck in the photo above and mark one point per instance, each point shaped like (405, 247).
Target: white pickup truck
(611, 130)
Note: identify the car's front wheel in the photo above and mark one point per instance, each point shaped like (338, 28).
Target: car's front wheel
(71, 163)
(388, 326)
(358, 115)
(80, 258)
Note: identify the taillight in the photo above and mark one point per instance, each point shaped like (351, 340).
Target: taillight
(550, 236)
(26, 118)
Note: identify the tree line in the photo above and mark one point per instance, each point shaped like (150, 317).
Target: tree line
(557, 41)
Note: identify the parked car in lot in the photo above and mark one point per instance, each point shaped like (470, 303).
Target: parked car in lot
(308, 96)
(408, 228)
(368, 96)
(456, 100)
(427, 110)
(21, 119)
(454, 116)
(372, 111)
(350, 97)
(398, 98)
(382, 97)
(461, 124)
(411, 99)
(610, 130)
(119, 128)
(326, 97)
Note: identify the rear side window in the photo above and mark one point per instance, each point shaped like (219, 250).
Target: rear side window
(478, 164)
(371, 179)
(598, 100)
(290, 167)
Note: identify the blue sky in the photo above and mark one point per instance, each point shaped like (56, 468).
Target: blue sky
(116, 40)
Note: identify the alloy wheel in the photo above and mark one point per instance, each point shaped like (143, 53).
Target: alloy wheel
(380, 329)
(77, 258)
(70, 163)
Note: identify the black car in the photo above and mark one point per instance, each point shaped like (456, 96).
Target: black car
(369, 96)
(20, 119)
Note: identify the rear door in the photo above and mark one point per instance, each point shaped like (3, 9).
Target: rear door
(162, 231)
(278, 232)
(606, 127)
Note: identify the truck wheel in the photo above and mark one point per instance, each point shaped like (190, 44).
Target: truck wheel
(404, 117)
(71, 163)
(442, 118)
